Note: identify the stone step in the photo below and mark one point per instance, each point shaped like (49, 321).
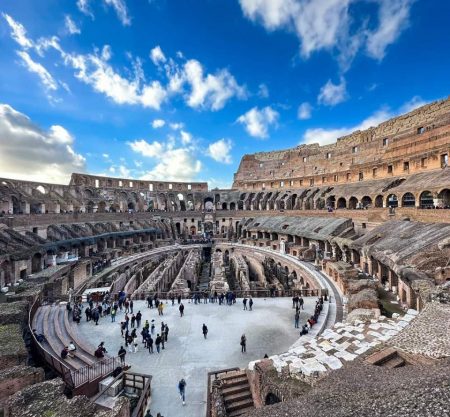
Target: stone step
(233, 374)
(240, 396)
(237, 381)
(239, 405)
(235, 389)
(396, 362)
(239, 412)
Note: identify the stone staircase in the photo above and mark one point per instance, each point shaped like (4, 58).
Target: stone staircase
(203, 282)
(236, 393)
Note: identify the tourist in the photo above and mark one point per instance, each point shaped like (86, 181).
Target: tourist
(123, 327)
(72, 347)
(148, 414)
(158, 342)
(127, 306)
(113, 315)
(297, 319)
(250, 303)
(182, 390)
(166, 332)
(133, 321)
(160, 309)
(138, 319)
(131, 306)
(39, 337)
(243, 344)
(149, 341)
(304, 330)
(205, 330)
(301, 302)
(244, 301)
(65, 352)
(95, 316)
(122, 353)
(181, 308)
(153, 328)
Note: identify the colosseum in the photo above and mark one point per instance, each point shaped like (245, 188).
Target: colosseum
(349, 241)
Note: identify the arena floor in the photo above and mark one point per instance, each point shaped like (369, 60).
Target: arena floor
(269, 328)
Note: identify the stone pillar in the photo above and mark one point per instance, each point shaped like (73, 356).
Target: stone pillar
(282, 246)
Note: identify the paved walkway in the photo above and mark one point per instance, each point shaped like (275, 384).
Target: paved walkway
(269, 329)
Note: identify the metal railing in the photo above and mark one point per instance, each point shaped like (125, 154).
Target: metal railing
(95, 371)
(264, 293)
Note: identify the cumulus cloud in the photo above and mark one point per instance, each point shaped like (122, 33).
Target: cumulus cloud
(327, 136)
(157, 123)
(220, 151)
(95, 70)
(71, 26)
(209, 91)
(157, 55)
(172, 163)
(329, 24)
(176, 126)
(29, 152)
(119, 6)
(332, 94)
(257, 122)
(186, 137)
(304, 111)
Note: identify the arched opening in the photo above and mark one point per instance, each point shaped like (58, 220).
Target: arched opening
(90, 207)
(408, 200)
(36, 263)
(131, 206)
(271, 399)
(379, 201)
(178, 227)
(224, 206)
(193, 230)
(232, 206)
(352, 203)
(240, 205)
(208, 204)
(391, 200)
(341, 203)
(426, 200)
(189, 284)
(331, 202)
(41, 189)
(101, 207)
(366, 202)
(444, 197)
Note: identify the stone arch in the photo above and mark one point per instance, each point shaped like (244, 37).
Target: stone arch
(101, 207)
(352, 203)
(208, 203)
(90, 207)
(391, 200)
(36, 263)
(444, 197)
(193, 230)
(366, 201)
(271, 399)
(426, 199)
(379, 201)
(408, 200)
(341, 203)
(232, 206)
(131, 206)
(331, 201)
(224, 206)
(240, 205)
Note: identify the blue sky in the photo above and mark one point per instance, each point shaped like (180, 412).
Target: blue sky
(181, 89)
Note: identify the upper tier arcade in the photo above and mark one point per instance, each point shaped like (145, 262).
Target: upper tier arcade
(412, 143)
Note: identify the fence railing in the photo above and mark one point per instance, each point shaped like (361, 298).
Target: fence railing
(97, 370)
(265, 293)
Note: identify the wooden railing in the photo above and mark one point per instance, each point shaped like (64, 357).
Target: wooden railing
(210, 376)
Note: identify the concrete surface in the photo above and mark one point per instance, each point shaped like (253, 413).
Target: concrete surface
(269, 329)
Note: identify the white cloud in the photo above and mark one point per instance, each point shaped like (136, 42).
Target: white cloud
(95, 71)
(329, 24)
(47, 155)
(257, 121)
(332, 94)
(176, 126)
(304, 111)
(157, 55)
(47, 80)
(220, 151)
(157, 123)
(172, 163)
(210, 91)
(120, 7)
(393, 17)
(105, 155)
(327, 136)
(263, 91)
(71, 26)
(18, 32)
(186, 137)
(83, 6)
